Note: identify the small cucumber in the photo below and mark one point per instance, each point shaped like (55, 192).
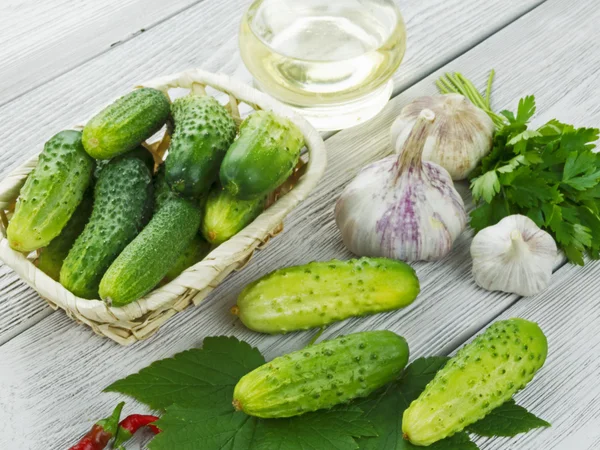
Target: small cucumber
(263, 156)
(126, 123)
(318, 293)
(122, 196)
(203, 132)
(51, 257)
(482, 376)
(52, 192)
(148, 258)
(226, 215)
(196, 251)
(322, 375)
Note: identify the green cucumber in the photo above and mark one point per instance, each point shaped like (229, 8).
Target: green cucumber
(482, 376)
(126, 123)
(51, 257)
(203, 132)
(52, 192)
(150, 256)
(162, 191)
(195, 252)
(322, 375)
(122, 196)
(262, 157)
(226, 215)
(318, 293)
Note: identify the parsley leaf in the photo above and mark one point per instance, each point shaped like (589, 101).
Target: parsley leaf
(507, 420)
(526, 109)
(204, 376)
(385, 408)
(486, 186)
(216, 429)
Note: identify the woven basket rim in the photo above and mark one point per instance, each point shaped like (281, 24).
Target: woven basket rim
(141, 318)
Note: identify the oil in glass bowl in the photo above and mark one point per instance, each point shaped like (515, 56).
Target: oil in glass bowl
(332, 60)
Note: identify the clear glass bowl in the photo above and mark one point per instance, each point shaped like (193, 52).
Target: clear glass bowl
(332, 60)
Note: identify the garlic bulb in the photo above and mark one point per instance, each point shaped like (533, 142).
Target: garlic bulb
(514, 255)
(401, 207)
(461, 137)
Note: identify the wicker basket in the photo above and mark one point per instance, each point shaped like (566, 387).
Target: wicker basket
(140, 319)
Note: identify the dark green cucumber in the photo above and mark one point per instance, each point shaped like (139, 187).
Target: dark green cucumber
(126, 123)
(195, 252)
(51, 257)
(52, 192)
(226, 215)
(482, 376)
(322, 375)
(262, 157)
(162, 191)
(203, 132)
(150, 256)
(319, 293)
(122, 196)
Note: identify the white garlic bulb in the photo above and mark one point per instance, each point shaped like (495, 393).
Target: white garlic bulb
(514, 256)
(461, 137)
(402, 207)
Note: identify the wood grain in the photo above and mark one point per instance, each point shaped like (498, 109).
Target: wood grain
(52, 373)
(41, 40)
(205, 35)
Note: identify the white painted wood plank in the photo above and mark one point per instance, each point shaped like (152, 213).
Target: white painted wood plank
(566, 392)
(40, 40)
(438, 31)
(52, 373)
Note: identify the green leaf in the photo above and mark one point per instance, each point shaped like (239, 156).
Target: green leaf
(384, 409)
(216, 429)
(204, 376)
(526, 109)
(486, 186)
(507, 420)
(488, 214)
(579, 139)
(524, 136)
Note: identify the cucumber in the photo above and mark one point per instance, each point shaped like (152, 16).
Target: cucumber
(148, 258)
(162, 191)
(318, 293)
(322, 375)
(126, 123)
(51, 257)
(482, 376)
(226, 215)
(196, 251)
(52, 192)
(263, 156)
(203, 132)
(122, 196)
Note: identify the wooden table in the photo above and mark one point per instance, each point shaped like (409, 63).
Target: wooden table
(62, 60)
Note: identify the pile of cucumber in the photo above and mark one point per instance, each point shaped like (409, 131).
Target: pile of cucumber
(110, 223)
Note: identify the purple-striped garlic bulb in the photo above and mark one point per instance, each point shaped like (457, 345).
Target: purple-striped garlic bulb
(461, 137)
(402, 207)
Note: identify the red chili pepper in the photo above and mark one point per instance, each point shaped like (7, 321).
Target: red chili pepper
(101, 433)
(130, 424)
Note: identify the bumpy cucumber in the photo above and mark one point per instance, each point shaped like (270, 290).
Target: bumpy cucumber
(196, 251)
(322, 375)
(483, 375)
(263, 156)
(162, 191)
(126, 123)
(51, 257)
(226, 215)
(318, 293)
(148, 258)
(203, 132)
(51, 193)
(122, 196)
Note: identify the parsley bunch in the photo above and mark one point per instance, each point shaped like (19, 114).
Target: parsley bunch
(549, 174)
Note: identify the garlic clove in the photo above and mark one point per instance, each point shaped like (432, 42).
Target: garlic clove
(514, 256)
(461, 137)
